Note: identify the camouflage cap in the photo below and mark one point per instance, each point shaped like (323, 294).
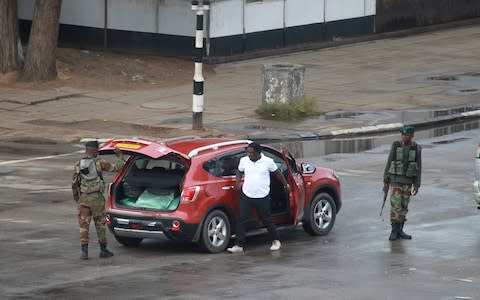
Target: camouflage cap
(91, 144)
(407, 129)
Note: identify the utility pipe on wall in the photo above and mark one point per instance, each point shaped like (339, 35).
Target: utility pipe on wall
(105, 24)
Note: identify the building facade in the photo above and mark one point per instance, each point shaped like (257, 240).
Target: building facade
(231, 26)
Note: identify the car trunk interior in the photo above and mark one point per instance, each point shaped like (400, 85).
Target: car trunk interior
(151, 184)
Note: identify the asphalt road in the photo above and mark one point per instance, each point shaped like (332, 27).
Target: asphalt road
(40, 246)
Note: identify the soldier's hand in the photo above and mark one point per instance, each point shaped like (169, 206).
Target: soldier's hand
(118, 152)
(415, 190)
(386, 187)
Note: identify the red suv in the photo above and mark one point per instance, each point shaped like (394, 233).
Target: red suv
(183, 189)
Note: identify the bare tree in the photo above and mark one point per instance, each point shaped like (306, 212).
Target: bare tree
(9, 39)
(40, 59)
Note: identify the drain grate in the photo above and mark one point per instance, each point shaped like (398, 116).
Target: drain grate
(472, 74)
(443, 78)
(450, 141)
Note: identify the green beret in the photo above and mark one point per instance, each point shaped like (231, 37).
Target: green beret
(407, 129)
(91, 144)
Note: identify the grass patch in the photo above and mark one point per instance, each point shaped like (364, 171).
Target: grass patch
(303, 108)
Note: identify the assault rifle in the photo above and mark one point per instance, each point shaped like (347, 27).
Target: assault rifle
(385, 194)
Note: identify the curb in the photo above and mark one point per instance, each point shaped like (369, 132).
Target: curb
(349, 132)
(346, 41)
(375, 129)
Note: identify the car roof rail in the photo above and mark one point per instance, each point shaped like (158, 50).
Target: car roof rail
(179, 138)
(196, 151)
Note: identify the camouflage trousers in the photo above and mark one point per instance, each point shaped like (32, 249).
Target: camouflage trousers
(92, 206)
(399, 199)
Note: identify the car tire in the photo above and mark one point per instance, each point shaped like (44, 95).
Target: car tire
(128, 241)
(320, 215)
(215, 234)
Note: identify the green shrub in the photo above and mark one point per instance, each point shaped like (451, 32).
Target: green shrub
(300, 109)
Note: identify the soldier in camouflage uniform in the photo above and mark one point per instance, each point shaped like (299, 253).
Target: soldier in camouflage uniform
(403, 173)
(87, 188)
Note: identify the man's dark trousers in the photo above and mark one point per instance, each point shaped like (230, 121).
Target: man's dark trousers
(262, 206)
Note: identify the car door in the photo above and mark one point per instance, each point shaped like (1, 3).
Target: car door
(287, 167)
(298, 188)
(221, 172)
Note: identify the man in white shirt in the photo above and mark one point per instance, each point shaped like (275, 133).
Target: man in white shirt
(255, 193)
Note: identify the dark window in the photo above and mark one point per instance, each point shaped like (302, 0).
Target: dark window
(225, 165)
(282, 166)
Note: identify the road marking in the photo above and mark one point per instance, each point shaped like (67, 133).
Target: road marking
(352, 172)
(19, 161)
(16, 221)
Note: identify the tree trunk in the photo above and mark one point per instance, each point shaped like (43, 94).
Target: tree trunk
(9, 58)
(40, 60)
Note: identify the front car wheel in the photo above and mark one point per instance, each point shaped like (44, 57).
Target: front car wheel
(321, 215)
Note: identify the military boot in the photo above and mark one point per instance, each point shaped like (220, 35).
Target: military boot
(402, 234)
(84, 252)
(104, 252)
(394, 234)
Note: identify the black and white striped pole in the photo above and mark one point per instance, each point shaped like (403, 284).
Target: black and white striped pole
(198, 80)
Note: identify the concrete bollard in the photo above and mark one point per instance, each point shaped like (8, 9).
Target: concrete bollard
(282, 83)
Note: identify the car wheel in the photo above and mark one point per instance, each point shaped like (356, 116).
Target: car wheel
(215, 232)
(128, 241)
(321, 215)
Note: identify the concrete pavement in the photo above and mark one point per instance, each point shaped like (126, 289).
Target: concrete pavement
(429, 71)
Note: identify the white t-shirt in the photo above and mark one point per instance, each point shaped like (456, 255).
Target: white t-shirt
(256, 175)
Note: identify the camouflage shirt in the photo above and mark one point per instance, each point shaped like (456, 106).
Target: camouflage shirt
(82, 184)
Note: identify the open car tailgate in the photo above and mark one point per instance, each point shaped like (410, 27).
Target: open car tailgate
(136, 146)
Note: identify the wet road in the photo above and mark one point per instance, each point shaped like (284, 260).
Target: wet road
(40, 247)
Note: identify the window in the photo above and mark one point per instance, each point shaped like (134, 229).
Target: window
(225, 165)
(282, 166)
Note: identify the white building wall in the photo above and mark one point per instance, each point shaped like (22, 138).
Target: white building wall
(226, 18)
(93, 17)
(264, 15)
(174, 17)
(227, 15)
(370, 7)
(304, 12)
(344, 9)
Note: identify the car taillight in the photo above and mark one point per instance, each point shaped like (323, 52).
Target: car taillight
(190, 194)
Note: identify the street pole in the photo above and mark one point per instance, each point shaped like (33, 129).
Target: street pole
(198, 80)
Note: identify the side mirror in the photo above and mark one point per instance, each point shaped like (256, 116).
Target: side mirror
(308, 168)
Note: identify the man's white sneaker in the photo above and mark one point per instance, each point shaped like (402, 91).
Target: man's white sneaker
(235, 249)
(275, 245)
